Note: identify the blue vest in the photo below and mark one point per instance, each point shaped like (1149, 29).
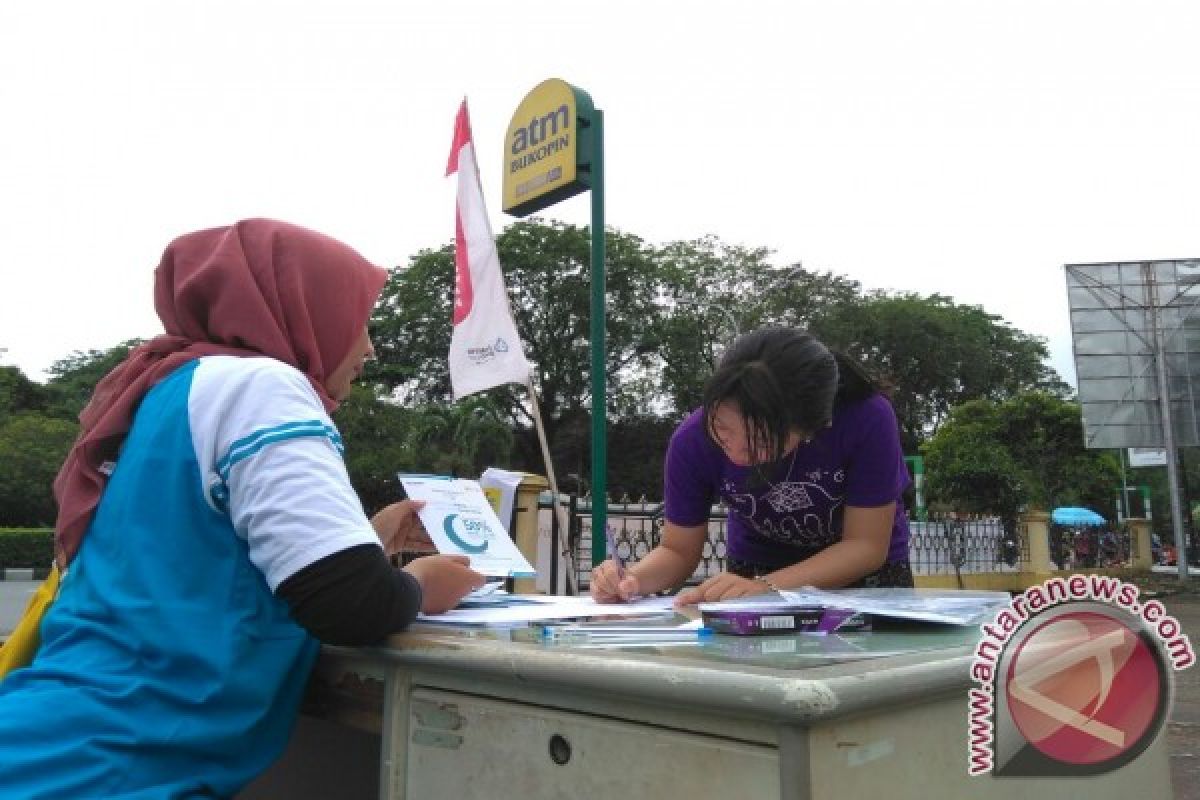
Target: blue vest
(167, 668)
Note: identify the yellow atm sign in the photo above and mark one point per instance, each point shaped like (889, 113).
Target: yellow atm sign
(547, 149)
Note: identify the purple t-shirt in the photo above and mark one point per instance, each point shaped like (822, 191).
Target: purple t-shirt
(857, 461)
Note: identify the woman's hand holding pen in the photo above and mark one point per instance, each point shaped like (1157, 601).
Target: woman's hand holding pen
(611, 584)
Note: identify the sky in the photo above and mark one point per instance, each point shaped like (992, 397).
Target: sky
(957, 147)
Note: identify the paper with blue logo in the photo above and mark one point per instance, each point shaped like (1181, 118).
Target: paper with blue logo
(460, 520)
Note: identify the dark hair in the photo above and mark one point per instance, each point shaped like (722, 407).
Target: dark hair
(783, 380)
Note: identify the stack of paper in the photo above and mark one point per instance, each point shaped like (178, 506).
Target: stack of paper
(545, 607)
(950, 606)
(493, 595)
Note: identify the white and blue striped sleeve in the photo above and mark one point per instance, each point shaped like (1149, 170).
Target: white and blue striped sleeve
(272, 460)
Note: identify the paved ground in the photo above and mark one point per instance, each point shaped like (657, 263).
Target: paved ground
(1183, 729)
(13, 597)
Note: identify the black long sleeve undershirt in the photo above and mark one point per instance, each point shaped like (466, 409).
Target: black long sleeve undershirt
(353, 597)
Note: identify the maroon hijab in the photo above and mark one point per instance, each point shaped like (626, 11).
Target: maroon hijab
(257, 288)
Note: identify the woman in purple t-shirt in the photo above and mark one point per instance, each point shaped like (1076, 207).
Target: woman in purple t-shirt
(804, 451)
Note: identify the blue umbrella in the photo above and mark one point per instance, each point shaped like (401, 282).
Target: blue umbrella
(1073, 515)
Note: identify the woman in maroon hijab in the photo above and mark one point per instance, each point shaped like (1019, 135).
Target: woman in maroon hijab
(208, 534)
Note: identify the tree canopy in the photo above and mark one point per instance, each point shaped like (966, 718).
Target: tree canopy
(547, 274)
(384, 439)
(18, 393)
(32, 448)
(671, 310)
(995, 457)
(74, 378)
(933, 354)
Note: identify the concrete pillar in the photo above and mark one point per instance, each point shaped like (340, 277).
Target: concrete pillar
(525, 527)
(1037, 527)
(1140, 544)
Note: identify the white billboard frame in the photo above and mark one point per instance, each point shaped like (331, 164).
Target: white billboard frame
(1137, 377)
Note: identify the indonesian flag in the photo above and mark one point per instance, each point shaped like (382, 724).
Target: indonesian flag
(485, 350)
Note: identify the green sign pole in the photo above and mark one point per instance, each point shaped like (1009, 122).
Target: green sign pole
(918, 467)
(599, 389)
(554, 149)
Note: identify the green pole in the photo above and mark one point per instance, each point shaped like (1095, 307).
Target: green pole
(599, 391)
(918, 468)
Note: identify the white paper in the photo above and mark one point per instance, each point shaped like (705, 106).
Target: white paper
(951, 606)
(460, 520)
(550, 607)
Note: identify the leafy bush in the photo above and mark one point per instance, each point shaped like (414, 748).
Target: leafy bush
(32, 448)
(26, 548)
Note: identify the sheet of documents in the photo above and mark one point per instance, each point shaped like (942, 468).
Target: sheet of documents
(460, 520)
(547, 607)
(948, 606)
(492, 595)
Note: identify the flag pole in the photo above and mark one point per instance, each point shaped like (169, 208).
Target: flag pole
(559, 515)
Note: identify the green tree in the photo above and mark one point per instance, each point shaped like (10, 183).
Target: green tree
(18, 393)
(74, 378)
(461, 439)
(548, 276)
(375, 433)
(1045, 435)
(703, 287)
(710, 291)
(1026, 450)
(32, 448)
(383, 439)
(969, 469)
(642, 445)
(933, 354)
(670, 312)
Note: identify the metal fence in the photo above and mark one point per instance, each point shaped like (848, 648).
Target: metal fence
(964, 545)
(940, 545)
(637, 529)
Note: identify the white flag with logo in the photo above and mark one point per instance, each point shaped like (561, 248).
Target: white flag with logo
(485, 350)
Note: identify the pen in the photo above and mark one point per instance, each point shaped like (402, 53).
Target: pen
(612, 551)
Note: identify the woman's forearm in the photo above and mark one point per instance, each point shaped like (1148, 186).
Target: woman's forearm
(840, 564)
(662, 568)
